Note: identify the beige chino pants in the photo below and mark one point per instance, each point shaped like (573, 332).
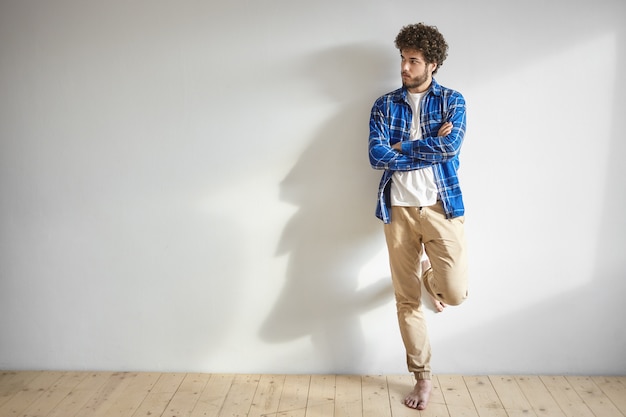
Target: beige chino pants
(411, 231)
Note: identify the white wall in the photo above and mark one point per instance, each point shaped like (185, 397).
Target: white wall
(184, 185)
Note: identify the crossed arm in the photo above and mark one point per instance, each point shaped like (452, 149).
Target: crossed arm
(389, 154)
(409, 155)
(444, 130)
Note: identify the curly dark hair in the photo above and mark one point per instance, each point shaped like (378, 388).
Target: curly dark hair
(426, 39)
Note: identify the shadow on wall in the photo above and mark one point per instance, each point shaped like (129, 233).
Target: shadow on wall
(334, 231)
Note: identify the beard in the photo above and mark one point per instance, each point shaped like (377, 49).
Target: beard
(416, 81)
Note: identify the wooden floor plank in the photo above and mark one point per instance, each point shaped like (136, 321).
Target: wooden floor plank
(267, 396)
(107, 395)
(566, 397)
(457, 396)
(57, 392)
(4, 375)
(539, 397)
(484, 397)
(513, 400)
(240, 396)
(375, 396)
(399, 386)
(30, 393)
(12, 382)
(614, 388)
(212, 398)
(134, 395)
(126, 394)
(437, 404)
(156, 401)
(593, 396)
(348, 398)
(321, 401)
(293, 399)
(81, 394)
(187, 395)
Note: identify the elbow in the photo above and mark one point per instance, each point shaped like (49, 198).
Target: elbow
(377, 164)
(451, 149)
(452, 153)
(444, 153)
(378, 160)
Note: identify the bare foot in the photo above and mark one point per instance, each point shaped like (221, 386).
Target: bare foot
(418, 398)
(439, 306)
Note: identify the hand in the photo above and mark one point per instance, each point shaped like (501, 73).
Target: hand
(445, 129)
(397, 146)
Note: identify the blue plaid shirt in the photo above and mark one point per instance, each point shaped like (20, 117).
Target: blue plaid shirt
(390, 123)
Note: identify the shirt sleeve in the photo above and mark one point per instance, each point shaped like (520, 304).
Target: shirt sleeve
(381, 154)
(436, 149)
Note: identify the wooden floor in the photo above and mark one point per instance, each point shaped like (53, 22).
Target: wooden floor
(81, 394)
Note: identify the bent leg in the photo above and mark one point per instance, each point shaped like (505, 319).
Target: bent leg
(444, 241)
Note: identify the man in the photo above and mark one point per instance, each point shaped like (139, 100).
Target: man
(416, 134)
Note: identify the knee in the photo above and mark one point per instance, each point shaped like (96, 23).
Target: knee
(407, 306)
(449, 288)
(453, 298)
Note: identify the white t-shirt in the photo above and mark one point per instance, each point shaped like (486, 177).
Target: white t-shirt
(416, 187)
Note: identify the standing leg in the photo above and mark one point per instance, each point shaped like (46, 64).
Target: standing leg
(403, 236)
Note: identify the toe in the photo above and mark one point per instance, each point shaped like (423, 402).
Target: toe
(411, 402)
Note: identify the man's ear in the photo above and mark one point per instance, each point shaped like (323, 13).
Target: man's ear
(432, 66)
